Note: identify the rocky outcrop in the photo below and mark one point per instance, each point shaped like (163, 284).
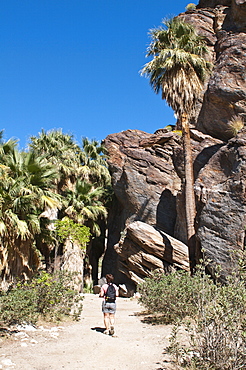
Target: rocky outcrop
(145, 184)
(143, 177)
(147, 176)
(223, 24)
(226, 93)
(220, 172)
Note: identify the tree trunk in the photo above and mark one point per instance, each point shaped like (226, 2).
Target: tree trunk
(190, 205)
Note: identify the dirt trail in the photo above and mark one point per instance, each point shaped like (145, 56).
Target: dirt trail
(82, 345)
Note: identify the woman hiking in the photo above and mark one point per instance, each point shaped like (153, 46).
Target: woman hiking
(109, 292)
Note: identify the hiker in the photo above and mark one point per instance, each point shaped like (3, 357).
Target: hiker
(109, 292)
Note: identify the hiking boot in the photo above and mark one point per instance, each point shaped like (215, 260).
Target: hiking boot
(111, 331)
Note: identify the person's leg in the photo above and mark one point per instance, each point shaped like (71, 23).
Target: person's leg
(106, 322)
(111, 320)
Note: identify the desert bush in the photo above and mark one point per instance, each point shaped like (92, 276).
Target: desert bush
(190, 6)
(209, 318)
(216, 334)
(50, 297)
(174, 296)
(18, 305)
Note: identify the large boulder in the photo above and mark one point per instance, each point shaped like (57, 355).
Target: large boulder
(144, 178)
(145, 249)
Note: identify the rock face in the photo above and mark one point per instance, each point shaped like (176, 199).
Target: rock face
(136, 248)
(143, 175)
(147, 176)
(145, 184)
(223, 24)
(220, 189)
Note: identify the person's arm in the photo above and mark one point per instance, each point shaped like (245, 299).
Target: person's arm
(101, 294)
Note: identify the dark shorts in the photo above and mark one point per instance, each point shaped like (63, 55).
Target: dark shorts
(108, 307)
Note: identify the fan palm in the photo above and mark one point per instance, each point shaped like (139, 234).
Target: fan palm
(61, 150)
(85, 205)
(93, 163)
(178, 69)
(25, 192)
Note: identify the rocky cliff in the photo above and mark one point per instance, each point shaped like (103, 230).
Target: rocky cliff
(147, 169)
(223, 24)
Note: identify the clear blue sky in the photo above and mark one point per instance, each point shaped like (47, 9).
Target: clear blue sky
(74, 64)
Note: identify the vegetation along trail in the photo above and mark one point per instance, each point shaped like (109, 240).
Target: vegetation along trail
(82, 345)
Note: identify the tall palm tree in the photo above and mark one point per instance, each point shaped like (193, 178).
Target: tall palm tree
(25, 192)
(179, 70)
(61, 150)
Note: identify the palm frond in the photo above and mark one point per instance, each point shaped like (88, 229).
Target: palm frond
(50, 201)
(20, 227)
(2, 228)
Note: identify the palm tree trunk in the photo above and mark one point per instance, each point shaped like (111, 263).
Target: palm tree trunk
(190, 205)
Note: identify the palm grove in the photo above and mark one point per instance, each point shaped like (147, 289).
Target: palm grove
(55, 191)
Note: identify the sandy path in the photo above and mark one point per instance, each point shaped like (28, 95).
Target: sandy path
(82, 345)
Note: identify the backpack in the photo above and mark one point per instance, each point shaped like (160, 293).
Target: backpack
(110, 295)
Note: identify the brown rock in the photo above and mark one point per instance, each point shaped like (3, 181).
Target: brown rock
(220, 188)
(239, 14)
(213, 3)
(145, 249)
(142, 177)
(222, 23)
(226, 93)
(145, 184)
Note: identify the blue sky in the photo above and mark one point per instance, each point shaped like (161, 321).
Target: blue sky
(74, 65)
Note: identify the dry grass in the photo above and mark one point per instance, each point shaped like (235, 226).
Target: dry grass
(235, 125)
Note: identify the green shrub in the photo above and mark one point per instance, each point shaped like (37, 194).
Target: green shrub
(173, 296)
(56, 296)
(18, 305)
(213, 334)
(219, 331)
(216, 334)
(50, 297)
